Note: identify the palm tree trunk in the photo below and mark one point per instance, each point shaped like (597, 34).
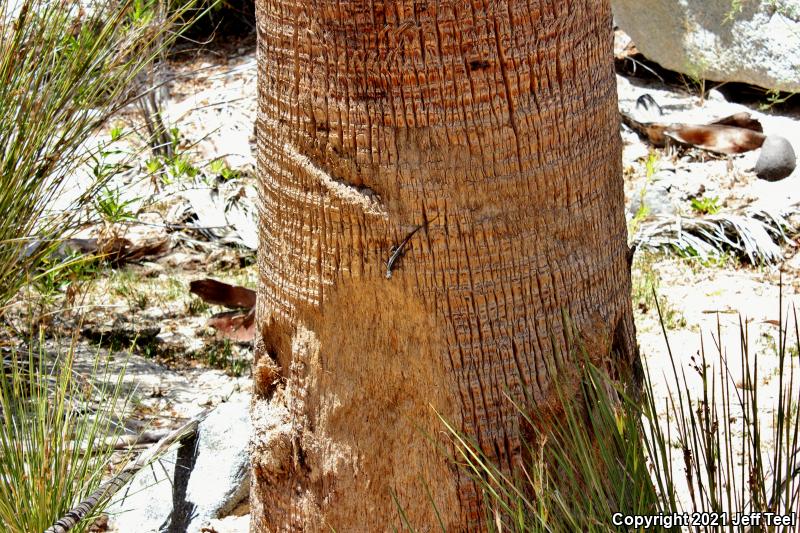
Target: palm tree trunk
(483, 135)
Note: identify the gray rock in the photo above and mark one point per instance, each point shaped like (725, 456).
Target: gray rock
(656, 196)
(221, 475)
(777, 159)
(715, 95)
(203, 479)
(146, 504)
(758, 42)
(670, 190)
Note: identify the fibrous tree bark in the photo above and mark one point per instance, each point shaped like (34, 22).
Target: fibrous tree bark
(491, 128)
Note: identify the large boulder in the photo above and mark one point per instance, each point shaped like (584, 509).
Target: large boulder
(755, 42)
(200, 481)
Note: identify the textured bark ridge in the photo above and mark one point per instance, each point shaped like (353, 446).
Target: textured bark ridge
(493, 125)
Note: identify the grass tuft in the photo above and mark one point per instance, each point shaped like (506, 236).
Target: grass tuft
(64, 72)
(56, 436)
(712, 453)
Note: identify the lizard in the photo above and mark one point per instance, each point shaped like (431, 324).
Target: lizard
(399, 250)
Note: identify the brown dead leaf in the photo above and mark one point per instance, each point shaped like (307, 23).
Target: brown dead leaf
(653, 132)
(716, 138)
(741, 120)
(219, 293)
(235, 325)
(729, 135)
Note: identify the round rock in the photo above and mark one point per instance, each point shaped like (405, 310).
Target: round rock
(777, 159)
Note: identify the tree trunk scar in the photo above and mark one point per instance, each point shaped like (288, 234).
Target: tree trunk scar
(364, 197)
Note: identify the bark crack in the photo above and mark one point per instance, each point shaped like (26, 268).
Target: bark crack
(507, 84)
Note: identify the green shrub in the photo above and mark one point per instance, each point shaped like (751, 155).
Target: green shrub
(706, 205)
(64, 73)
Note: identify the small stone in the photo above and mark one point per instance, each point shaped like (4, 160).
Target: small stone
(655, 198)
(714, 95)
(777, 159)
(151, 270)
(184, 261)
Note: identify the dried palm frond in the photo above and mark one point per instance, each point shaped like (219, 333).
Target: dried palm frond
(755, 234)
(225, 213)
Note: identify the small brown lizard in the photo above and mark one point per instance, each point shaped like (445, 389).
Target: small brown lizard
(399, 250)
